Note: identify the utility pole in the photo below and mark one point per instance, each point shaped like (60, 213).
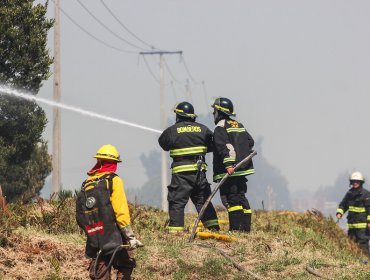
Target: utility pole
(163, 120)
(56, 162)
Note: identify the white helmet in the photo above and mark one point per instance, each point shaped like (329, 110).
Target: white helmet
(357, 176)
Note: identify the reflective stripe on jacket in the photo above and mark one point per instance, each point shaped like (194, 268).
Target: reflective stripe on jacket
(188, 151)
(357, 203)
(186, 141)
(232, 143)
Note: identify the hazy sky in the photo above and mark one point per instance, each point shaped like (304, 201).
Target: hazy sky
(297, 72)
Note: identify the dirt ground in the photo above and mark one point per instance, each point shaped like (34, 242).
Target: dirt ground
(27, 256)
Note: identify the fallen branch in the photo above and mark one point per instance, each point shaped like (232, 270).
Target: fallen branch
(314, 272)
(235, 264)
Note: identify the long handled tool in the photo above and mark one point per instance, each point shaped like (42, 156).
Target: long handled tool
(110, 261)
(201, 212)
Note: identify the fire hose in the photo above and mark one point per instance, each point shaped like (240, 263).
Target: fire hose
(201, 212)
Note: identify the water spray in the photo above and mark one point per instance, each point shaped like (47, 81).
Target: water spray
(13, 92)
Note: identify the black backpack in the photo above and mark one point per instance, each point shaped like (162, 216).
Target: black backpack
(95, 216)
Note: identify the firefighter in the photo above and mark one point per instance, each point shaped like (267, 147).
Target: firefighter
(357, 202)
(188, 143)
(102, 212)
(232, 143)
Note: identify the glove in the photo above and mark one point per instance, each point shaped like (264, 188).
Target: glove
(230, 170)
(135, 243)
(129, 235)
(339, 215)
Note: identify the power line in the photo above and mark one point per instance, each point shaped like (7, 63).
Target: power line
(194, 81)
(126, 28)
(205, 93)
(181, 89)
(189, 94)
(170, 72)
(107, 28)
(150, 70)
(174, 92)
(93, 36)
(161, 53)
(204, 90)
(188, 71)
(188, 91)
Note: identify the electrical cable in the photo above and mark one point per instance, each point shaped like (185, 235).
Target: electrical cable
(92, 35)
(188, 71)
(126, 28)
(152, 73)
(205, 93)
(181, 89)
(150, 70)
(171, 73)
(107, 28)
(189, 92)
(174, 92)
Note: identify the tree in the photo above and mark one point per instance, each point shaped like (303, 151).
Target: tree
(328, 197)
(150, 192)
(334, 192)
(24, 64)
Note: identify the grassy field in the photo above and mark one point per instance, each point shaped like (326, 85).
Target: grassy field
(42, 241)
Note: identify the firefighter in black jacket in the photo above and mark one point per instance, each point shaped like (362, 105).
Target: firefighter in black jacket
(357, 202)
(232, 143)
(188, 143)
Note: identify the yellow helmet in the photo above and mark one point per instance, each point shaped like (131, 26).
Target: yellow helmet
(357, 176)
(108, 152)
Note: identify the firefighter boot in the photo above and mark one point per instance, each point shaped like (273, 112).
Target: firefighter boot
(209, 219)
(247, 221)
(236, 218)
(211, 225)
(214, 228)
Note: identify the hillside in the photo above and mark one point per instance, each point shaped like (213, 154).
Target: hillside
(41, 241)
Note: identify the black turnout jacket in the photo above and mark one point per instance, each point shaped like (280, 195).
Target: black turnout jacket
(357, 203)
(187, 141)
(232, 143)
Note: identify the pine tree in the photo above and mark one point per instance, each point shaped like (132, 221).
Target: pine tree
(24, 64)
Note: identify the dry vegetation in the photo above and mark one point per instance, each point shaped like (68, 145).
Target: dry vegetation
(42, 241)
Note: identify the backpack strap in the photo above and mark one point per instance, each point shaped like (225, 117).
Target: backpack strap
(83, 185)
(109, 177)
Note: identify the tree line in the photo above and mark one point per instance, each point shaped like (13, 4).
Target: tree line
(24, 65)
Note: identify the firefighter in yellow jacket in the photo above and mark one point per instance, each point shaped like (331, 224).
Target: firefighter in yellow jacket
(102, 212)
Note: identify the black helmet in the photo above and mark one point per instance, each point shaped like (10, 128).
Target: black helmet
(224, 105)
(185, 109)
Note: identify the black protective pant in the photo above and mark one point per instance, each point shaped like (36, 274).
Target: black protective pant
(360, 235)
(233, 198)
(184, 185)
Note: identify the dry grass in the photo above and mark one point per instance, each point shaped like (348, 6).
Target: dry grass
(42, 242)
(31, 255)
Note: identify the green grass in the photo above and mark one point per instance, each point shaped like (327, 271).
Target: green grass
(280, 246)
